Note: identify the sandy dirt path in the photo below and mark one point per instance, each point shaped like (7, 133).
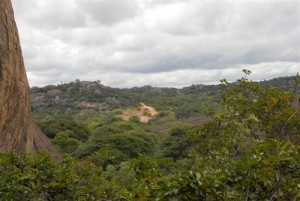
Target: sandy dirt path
(150, 109)
(145, 113)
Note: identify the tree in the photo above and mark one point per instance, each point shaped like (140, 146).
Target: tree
(176, 144)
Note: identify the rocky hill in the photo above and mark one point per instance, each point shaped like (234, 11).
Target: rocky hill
(93, 96)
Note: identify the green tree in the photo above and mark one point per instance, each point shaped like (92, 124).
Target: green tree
(176, 145)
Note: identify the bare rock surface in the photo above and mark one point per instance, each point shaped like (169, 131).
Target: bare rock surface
(54, 92)
(17, 131)
(38, 99)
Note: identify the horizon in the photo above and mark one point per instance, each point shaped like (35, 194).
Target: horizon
(208, 84)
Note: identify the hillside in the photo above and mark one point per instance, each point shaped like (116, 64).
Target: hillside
(83, 97)
(74, 111)
(197, 144)
(143, 113)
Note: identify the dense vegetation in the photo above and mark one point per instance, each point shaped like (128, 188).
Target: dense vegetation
(246, 149)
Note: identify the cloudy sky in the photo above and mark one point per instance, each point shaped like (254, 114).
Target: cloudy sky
(127, 43)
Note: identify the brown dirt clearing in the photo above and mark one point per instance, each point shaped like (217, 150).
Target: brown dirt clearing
(145, 113)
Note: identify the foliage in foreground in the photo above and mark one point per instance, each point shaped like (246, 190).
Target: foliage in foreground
(269, 171)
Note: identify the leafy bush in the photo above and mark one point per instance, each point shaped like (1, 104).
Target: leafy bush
(176, 145)
(75, 129)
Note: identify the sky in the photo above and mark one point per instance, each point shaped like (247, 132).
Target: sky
(164, 43)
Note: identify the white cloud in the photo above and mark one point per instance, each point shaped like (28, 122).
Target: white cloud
(132, 42)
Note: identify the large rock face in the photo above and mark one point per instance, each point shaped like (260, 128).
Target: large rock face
(17, 131)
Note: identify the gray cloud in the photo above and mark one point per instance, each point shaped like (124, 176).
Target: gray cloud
(131, 42)
(109, 12)
(52, 14)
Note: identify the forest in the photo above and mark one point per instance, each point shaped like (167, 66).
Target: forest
(232, 141)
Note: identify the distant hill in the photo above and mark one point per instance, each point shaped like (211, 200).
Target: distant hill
(89, 94)
(284, 83)
(81, 98)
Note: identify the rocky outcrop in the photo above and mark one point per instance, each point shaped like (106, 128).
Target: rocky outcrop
(90, 106)
(54, 92)
(17, 131)
(38, 99)
(87, 86)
